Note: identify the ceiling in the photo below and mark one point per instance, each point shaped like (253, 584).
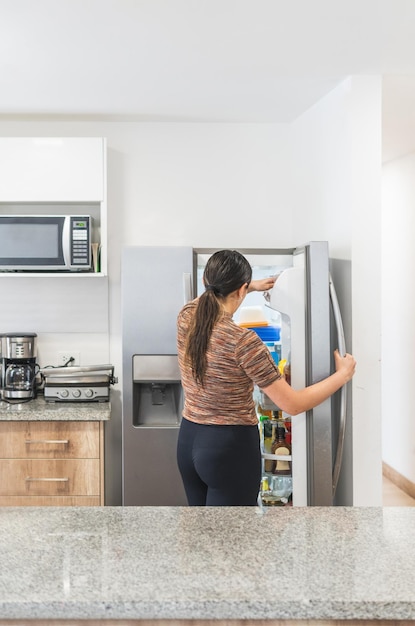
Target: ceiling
(204, 60)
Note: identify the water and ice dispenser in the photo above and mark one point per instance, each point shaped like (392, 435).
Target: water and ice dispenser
(157, 390)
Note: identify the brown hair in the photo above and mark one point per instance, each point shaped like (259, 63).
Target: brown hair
(225, 272)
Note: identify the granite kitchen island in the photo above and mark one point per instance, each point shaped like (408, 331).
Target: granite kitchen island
(222, 564)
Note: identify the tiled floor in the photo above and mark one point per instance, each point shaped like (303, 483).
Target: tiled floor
(393, 496)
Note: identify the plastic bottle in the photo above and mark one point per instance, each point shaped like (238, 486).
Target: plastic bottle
(278, 345)
(271, 345)
(266, 440)
(281, 365)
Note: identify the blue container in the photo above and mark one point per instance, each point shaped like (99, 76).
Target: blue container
(267, 333)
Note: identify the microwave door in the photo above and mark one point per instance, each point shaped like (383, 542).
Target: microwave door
(29, 242)
(45, 243)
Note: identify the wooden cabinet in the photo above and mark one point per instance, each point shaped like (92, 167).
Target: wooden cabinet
(51, 463)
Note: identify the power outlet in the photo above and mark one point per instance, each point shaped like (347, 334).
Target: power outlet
(64, 356)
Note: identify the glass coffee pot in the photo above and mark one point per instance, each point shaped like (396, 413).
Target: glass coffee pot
(18, 366)
(20, 378)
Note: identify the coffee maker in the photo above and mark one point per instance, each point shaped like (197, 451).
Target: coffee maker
(18, 366)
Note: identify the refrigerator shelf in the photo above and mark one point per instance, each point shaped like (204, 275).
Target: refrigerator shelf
(275, 457)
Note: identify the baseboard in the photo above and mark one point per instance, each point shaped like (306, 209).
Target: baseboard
(397, 479)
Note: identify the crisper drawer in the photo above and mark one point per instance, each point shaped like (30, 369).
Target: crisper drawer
(49, 477)
(49, 440)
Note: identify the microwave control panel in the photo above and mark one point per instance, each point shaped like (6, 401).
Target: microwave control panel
(80, 241)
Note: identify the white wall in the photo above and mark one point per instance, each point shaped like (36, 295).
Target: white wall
(246, 185)
(205, 185)
(336, 153)
(398, 307)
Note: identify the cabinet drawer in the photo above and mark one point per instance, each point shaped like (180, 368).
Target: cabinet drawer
(49, 440)
(73, 477)
(50, 501)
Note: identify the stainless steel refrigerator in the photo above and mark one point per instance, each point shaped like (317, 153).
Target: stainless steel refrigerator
(156, 282)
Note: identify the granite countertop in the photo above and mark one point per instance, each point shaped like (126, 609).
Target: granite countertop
(40, 410)
(333, 563)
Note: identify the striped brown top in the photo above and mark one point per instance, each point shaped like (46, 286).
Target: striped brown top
(236, 360)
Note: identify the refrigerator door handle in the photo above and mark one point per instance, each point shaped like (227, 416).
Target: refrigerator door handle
(187, 288)
(343, 392)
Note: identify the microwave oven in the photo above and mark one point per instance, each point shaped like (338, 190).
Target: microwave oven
(45, 243)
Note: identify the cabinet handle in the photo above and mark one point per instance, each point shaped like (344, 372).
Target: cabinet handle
(63, 441)
(29, 479)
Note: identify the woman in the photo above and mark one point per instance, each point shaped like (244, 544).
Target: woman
(218, 450)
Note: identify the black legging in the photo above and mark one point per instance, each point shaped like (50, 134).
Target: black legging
(219, 465)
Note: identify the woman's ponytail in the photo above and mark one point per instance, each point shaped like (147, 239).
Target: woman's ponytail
(225, 272)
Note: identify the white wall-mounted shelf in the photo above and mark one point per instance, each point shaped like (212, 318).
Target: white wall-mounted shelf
(56, 176)
(63, 275)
